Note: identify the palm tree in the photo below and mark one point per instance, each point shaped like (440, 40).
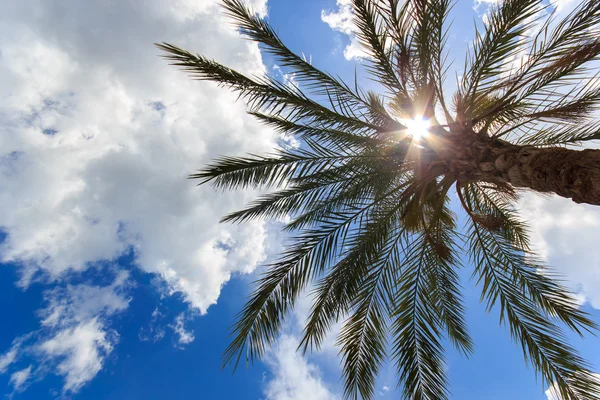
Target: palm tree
(369, 187)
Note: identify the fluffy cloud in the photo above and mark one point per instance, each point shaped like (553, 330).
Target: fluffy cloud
(564, 233)
(81, 349)
(294, 377)
(341, 20)
(98, 135)
(74, 339)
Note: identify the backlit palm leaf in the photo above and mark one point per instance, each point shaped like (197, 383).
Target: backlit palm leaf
(375, 240)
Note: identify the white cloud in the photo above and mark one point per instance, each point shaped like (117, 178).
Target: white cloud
(341, 20)
(294, 378)
(479, 3)
(184, 336)
(98, 135)
(81, 349)
(80, 303)
(155, 331)
(552, 393)
(564, 234)
(123, 131)
(79, 340)
(8, 358)
(19, 378)
(74, 339)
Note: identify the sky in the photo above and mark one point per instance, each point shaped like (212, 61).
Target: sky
(116, 279)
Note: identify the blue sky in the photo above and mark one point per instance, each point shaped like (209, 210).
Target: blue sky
(116, 281)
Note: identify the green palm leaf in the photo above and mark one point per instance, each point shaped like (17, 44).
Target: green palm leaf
(376, 241)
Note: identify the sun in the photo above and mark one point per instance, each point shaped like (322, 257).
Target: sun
(417, 128)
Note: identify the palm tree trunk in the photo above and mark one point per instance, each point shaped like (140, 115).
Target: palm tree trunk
(573, 174)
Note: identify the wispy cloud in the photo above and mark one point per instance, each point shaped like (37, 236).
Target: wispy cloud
(74, 339)
(8, 358)
(184, 336)
(20, 378)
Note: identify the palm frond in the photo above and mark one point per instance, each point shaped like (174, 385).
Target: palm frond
(504, 236)
(428, 37)
(556, 57)
(562, 134)
(260, 321)
(377, 240)
(374, 38)
(278, 289)
(343, 98)
(416, 330)
(493, 50)
(264, 93)
(363, 336)
(543, 343)
(440, 235)
(254, 171)
(342, 140)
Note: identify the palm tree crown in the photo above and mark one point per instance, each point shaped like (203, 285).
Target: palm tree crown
(375, 237)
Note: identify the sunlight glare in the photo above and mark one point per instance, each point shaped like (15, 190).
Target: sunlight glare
(417, 128)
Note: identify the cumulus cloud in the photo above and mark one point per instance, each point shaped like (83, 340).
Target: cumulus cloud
(341, 20)
(99, 134)
(294, 377)
(564, 233)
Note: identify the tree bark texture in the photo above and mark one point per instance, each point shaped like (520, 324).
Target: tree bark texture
(574, 174)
